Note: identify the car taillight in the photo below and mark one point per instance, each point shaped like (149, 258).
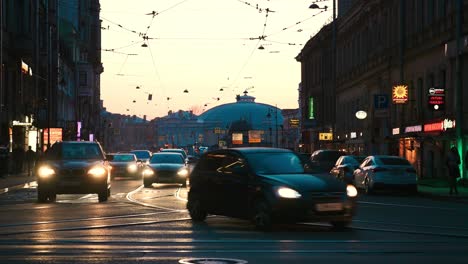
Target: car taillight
(411, 170)
(378, 169)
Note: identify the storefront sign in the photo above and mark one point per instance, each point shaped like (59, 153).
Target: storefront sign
(410, 129)
(326, 136)
(255, 136)
(311, 108)
(439, 126)
(400, 94)
(396, 131)
(436, 98)
(237, 138)
(447, 123)
(55, 135)
(294, 122)
(18, 123)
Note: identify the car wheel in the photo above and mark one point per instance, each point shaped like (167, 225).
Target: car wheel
(147, 183)
(367, 187)
(41, 195)
(52, 196)
(196, 210)
(108, 192)
(102, 195)
(262, 216)
(340, 225)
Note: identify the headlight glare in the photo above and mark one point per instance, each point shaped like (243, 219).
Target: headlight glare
(132, 168)
(45, 172)
(97, 171)
(148, 172)
(289, 193)
(182, 172)
(351, 191)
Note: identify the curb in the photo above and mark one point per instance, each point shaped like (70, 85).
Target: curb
(457, 199)
(18, 187)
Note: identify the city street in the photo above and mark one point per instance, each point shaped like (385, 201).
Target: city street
(151, 225)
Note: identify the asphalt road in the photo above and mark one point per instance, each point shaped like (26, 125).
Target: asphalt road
(151, 225)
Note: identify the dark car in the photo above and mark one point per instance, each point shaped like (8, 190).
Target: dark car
(73, 167)
(323, 160)
(143, 156)
(266, 185)
(345, 167)
(124, 165)
(165, 167)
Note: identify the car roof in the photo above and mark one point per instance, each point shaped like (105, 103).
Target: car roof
(172, 149)
(167, 153)
(386, 156)
(329, 150)
(260, 150)
(78, 142)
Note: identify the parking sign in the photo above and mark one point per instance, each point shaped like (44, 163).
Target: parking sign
(380, 101)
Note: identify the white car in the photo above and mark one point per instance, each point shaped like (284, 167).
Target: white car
(380, 172)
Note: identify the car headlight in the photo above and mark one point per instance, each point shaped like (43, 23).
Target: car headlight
(148, 172)
(182, 172)
(289, 193)
(45, 172)
(97, 172)
(351, 191)
(132, 168)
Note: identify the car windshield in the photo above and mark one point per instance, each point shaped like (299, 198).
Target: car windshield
(160, 158)
(328, 156)
(355, 160)
(81, 151)
(175, 151)
(123, 158)
(275, 163)
(394, 161)
(142, 154)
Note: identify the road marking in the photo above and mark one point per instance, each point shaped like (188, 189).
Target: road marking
(396, 231)
(177, 195)
(410, 225)
(133, 200)
(407, 205)
(87, 196)
(96, 226)
(27, 185)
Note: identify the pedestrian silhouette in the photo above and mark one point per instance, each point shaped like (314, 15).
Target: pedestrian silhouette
(453, 165)
(30, 160)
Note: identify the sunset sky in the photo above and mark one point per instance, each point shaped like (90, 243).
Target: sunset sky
(202, 46)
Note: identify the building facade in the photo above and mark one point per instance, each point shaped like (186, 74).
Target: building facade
(43, 44)
(391, 57)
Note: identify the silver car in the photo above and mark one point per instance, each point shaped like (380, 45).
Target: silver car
(381, 172)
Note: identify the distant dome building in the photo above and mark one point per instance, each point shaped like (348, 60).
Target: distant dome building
(219, 123)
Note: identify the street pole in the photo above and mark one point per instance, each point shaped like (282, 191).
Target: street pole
(276, 125)
(458, 86)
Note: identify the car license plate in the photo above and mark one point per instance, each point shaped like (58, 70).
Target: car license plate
(325, 207)
(71, 184)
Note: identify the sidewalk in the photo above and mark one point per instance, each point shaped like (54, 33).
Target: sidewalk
(439, 188)
(13, 182)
